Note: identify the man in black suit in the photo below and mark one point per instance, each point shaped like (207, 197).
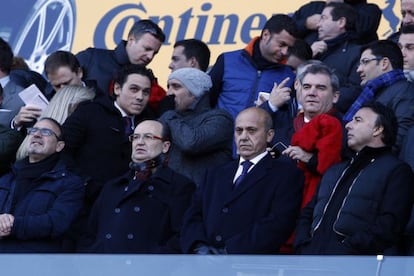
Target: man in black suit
(241, 210)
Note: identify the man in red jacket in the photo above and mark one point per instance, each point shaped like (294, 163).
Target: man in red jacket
(317, 141)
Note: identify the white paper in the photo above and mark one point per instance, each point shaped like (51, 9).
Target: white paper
(34, 97)
(259, 101)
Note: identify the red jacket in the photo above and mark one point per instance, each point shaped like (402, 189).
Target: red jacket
(323, 136)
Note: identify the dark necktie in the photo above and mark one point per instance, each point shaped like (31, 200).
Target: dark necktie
(246, 166)
(128, 126)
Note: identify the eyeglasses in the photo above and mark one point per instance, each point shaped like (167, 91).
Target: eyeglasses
(42, 131)
(145, 137)
(365, 61)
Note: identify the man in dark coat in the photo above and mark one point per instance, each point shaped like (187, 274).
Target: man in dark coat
(248, 206)
(308, 16)
(39, 198)
(10, 140)
(143, 43)
(383, 80)
(363, 205)
(141, 212)
(11, 101)
(97, 131)
(407, 13)
(335, 48)
(61, 68)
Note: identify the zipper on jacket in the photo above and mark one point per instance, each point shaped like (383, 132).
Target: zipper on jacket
(330, 197)
(343, 202)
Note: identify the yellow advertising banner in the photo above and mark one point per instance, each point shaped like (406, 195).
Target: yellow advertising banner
(223, 25)
(35, 28)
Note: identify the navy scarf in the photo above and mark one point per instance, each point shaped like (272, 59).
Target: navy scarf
(371, 87)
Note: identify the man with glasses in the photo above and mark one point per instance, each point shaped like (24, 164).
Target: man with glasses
(97, 131)
(142, 45)
(382, 77)
(201, 137)
(39, 198)
(141, 212)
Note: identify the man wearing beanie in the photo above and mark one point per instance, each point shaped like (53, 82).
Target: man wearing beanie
(201, 137)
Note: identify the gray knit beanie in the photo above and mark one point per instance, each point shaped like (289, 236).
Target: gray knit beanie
(196, 81)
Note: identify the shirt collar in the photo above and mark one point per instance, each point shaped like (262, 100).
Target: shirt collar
(256, 159)
(123, 113)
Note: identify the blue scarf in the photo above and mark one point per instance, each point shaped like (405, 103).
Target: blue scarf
(371, 88)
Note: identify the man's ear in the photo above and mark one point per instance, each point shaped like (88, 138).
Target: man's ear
(270, 134)
(385, 64)
(265, 34)
(166, 146)
(117, 89)
(80, 73)
(342, 22)
(378, 131)
(194, 62)
(337, 94)
(59, 146)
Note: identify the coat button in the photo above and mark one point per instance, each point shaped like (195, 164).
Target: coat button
(108, 236)
(130, 236)
(117, 210)
(137, 209)
(219, 238)
(225, 210)
(150, 188)
(126, 189)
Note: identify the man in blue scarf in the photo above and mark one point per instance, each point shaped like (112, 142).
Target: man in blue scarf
(380, 68)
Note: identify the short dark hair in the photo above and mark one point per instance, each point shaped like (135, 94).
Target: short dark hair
(344, 10)
(281, 22)
(57, 124)
(144, 26)
(61, 59)
(301, 49)
(321, 69)
(388, 49)
(197, 49)
(125, 71)
(387, 119)
(407, 29)
(6, 56)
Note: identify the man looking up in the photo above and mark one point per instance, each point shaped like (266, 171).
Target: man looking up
(363, 205)
(39, 198)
